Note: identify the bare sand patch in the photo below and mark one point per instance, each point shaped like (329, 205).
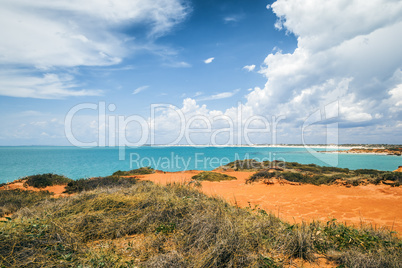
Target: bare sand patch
(376, 205)
(19, 184)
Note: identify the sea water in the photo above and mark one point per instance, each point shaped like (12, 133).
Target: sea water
(75, 163)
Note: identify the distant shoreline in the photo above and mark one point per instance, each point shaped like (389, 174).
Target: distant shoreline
(371, 151)
(331, 146)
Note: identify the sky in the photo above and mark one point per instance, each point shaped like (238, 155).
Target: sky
(132, 72)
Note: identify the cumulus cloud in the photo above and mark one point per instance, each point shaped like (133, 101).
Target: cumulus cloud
(193, 123)
(348, 53)
(209, 60)
(139, 89)
(396, 95)
(249, 68)
(343, 53)
(38, 36)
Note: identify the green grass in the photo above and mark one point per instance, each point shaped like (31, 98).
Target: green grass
(149, 225)
(138, 171)
(212, 176)
(44, 180)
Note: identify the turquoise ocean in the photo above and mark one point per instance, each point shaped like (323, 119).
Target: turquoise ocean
(75, 163)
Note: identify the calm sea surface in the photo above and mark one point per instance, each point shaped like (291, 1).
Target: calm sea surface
(75, 163)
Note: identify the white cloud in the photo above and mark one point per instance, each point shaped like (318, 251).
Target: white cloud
(209, 60)
(139, 89)
(396, 95)
(233, 18)
(321, 26)
(347, 52)
(179, 64)
(249, 68)
(343, 53)
(198, 93)
(42, 35)
(49, 86)
(80, 35)
(222, 95)
(229, 19)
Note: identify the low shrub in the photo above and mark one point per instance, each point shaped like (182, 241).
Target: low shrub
(44, 180)
(372, 172)
(308, 178)
(251, 164)
(392, 176)
(260, 175)
(247, 164)
(212, 176)
(100, 182)
(138, 171)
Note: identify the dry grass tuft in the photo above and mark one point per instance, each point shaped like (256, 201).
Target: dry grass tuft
(13, 200)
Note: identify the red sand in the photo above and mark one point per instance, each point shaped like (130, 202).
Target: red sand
(378, 205)
(56, 189)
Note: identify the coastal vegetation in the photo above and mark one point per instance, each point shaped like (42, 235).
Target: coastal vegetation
(313, 174)
(13, 200)
(138, 171)
(148, 225)
(45, 180)
(80, 185)
(212, 176)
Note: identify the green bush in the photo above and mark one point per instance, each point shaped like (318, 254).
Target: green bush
(247, 164)
(251, 164)
(313, 168)
(100, 182)
(392, 176)
(48, 179)
(212, 176)
(308, 178)
(372, 172)
(260, 175)
(138, 171)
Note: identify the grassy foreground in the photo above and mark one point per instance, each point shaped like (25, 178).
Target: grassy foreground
(141, 224)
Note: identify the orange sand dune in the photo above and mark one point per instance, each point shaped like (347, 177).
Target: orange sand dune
(376, 205)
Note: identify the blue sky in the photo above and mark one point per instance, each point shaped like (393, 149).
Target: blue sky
(209, 58)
